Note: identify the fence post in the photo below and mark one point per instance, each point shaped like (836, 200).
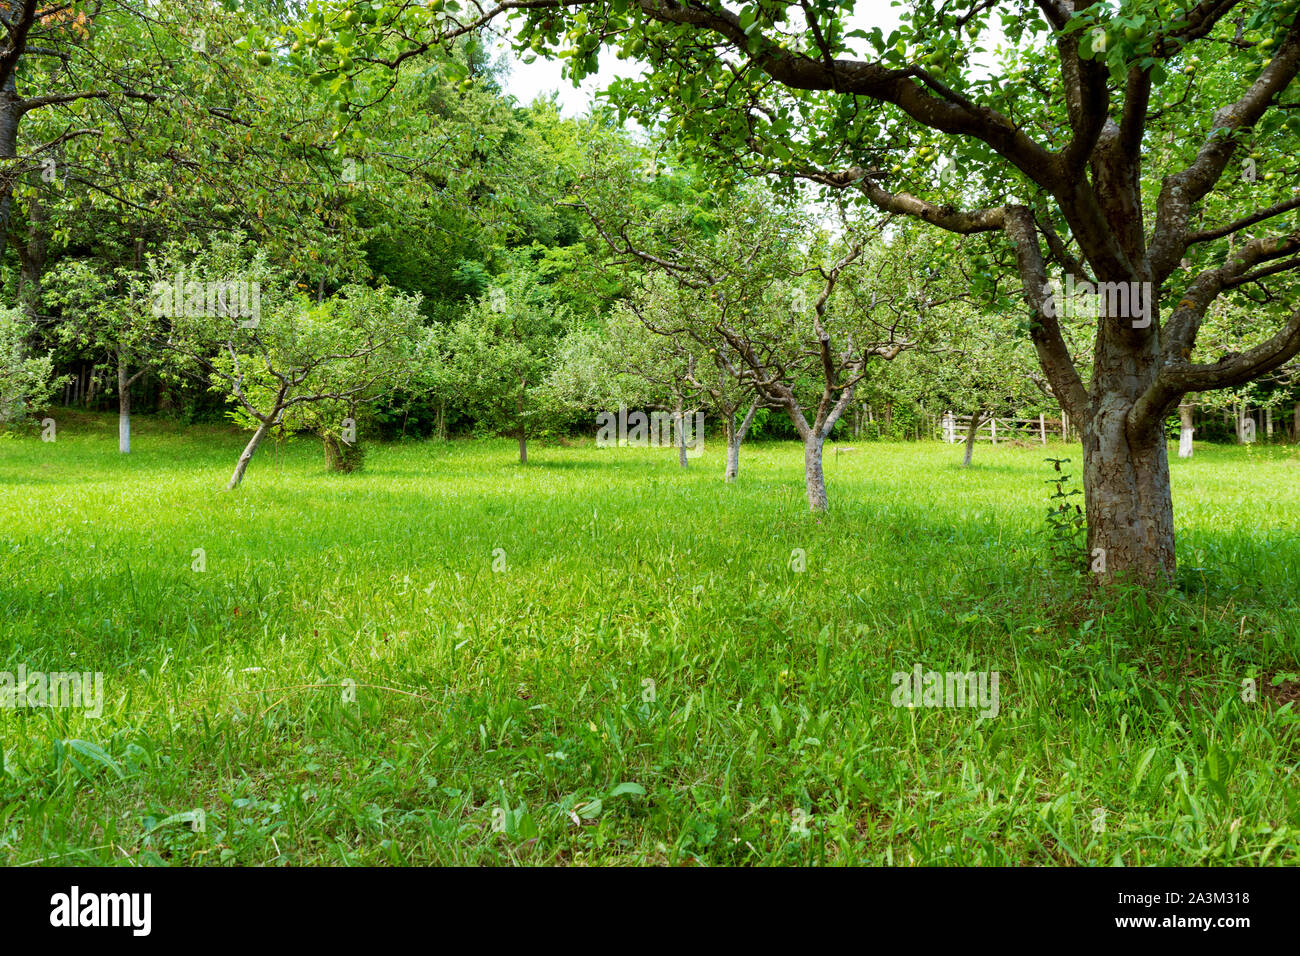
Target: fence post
(994, 424)
(1042, 427)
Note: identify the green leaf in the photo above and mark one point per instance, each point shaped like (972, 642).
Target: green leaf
(526, 827)
(96, 753)
(1140, 772)
(623, 788)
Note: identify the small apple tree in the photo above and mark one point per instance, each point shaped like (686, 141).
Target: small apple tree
(107, 311)
(278, 354)
(499, 355)
(27, 381)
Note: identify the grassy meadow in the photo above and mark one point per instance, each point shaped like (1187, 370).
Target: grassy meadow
(598, 658)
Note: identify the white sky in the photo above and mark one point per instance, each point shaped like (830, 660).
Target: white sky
(527, 81)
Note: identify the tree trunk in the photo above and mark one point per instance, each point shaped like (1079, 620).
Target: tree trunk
(1129, 507)
(971, 433)
(10, 114)
(1127, 499)
(523, 429)
(733, 458)
(679, 425)
(32, 255)
(812, 471)
(733, 448)
(123, 406)
(242, 465)
(342, 456)
(735, 436)
(1185, 431)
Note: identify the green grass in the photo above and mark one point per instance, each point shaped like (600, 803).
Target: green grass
(521, 691)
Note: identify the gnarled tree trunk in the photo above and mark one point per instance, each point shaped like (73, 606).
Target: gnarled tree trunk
(1128, 502)
(1126, 490)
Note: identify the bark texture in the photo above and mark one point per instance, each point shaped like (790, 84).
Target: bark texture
(1127, 496)
(814, 479)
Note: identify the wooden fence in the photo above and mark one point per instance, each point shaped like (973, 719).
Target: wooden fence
(997, 428)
